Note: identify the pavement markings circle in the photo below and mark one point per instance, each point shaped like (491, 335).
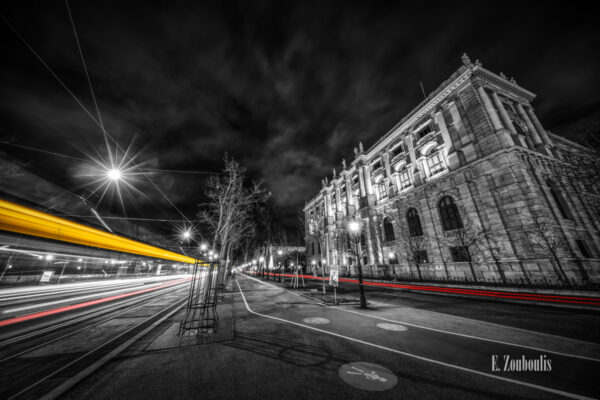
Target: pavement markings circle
(316, 321)
(368, 376)
(392, 327)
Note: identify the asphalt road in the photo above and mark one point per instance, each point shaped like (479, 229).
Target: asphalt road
(287, 346)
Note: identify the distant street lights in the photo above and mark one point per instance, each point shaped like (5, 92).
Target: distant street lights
(354, 233)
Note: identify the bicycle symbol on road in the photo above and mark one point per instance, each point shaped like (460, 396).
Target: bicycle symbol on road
(368, 376)
(372, 376)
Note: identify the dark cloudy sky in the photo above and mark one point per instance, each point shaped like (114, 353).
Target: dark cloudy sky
(287, 88)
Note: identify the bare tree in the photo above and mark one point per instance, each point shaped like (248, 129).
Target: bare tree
(356, 249)
(228, 215)
(415, 246)
(543, 237)
(465, 243)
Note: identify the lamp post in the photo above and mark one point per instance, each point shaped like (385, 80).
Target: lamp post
(392, 258)
(280, 264)
(261, 261)
(354, 231)
(323, 263)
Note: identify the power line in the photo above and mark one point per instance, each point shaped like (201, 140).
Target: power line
(134, 218)
(150, 170)
(42, 151)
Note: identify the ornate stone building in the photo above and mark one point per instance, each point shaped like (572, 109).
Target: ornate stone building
(468, 185)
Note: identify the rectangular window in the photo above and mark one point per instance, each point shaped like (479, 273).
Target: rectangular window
(397, 150)
(435, 163)
(377, 165)
(583, 248)
(424, 130)
(421, 257)
(405, 179)
(382, 191)
(459, 253)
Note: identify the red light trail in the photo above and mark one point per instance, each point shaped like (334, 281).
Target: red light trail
(475, 292)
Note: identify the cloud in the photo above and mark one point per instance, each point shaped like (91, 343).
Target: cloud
(288, 90)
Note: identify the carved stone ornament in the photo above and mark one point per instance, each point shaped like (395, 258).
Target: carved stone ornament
(465, 59)
(344, 164)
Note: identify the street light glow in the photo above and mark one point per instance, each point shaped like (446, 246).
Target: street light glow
(261, 259)
(203, 246)
(279, 252)
(392, 255)
(114, 174)
(49, 257)
(353, 226)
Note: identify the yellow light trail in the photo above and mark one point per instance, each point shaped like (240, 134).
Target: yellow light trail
(27, 221)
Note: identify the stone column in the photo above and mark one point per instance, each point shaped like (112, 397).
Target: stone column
(503, 114)
(338, 196)
(386, 163)
(458, 125)
(367, 175)
(533, 132)
(349, 194)
(361, 181)
(489, 108)
(327, 202)
(449, 148)
(396, 181)
(541, 131)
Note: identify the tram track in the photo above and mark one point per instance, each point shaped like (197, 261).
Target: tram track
(41, 370)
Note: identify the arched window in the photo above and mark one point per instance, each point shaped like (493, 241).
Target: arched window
(363, 240)
(388, 230)
(414, 223)
(449, 214)
(559, 200)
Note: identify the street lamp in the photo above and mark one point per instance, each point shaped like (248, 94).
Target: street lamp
(114, 174)
(203, 247)
(261, 261)
(354, 232)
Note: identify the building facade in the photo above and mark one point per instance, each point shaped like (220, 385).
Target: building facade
(469, 185)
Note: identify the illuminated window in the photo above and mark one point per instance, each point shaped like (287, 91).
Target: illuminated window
(435, 162)
(382, 190)
(405, 179)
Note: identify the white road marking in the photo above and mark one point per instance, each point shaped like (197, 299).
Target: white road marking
(497, 377)
(449, 332)
(316, 321)
(392, 327)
